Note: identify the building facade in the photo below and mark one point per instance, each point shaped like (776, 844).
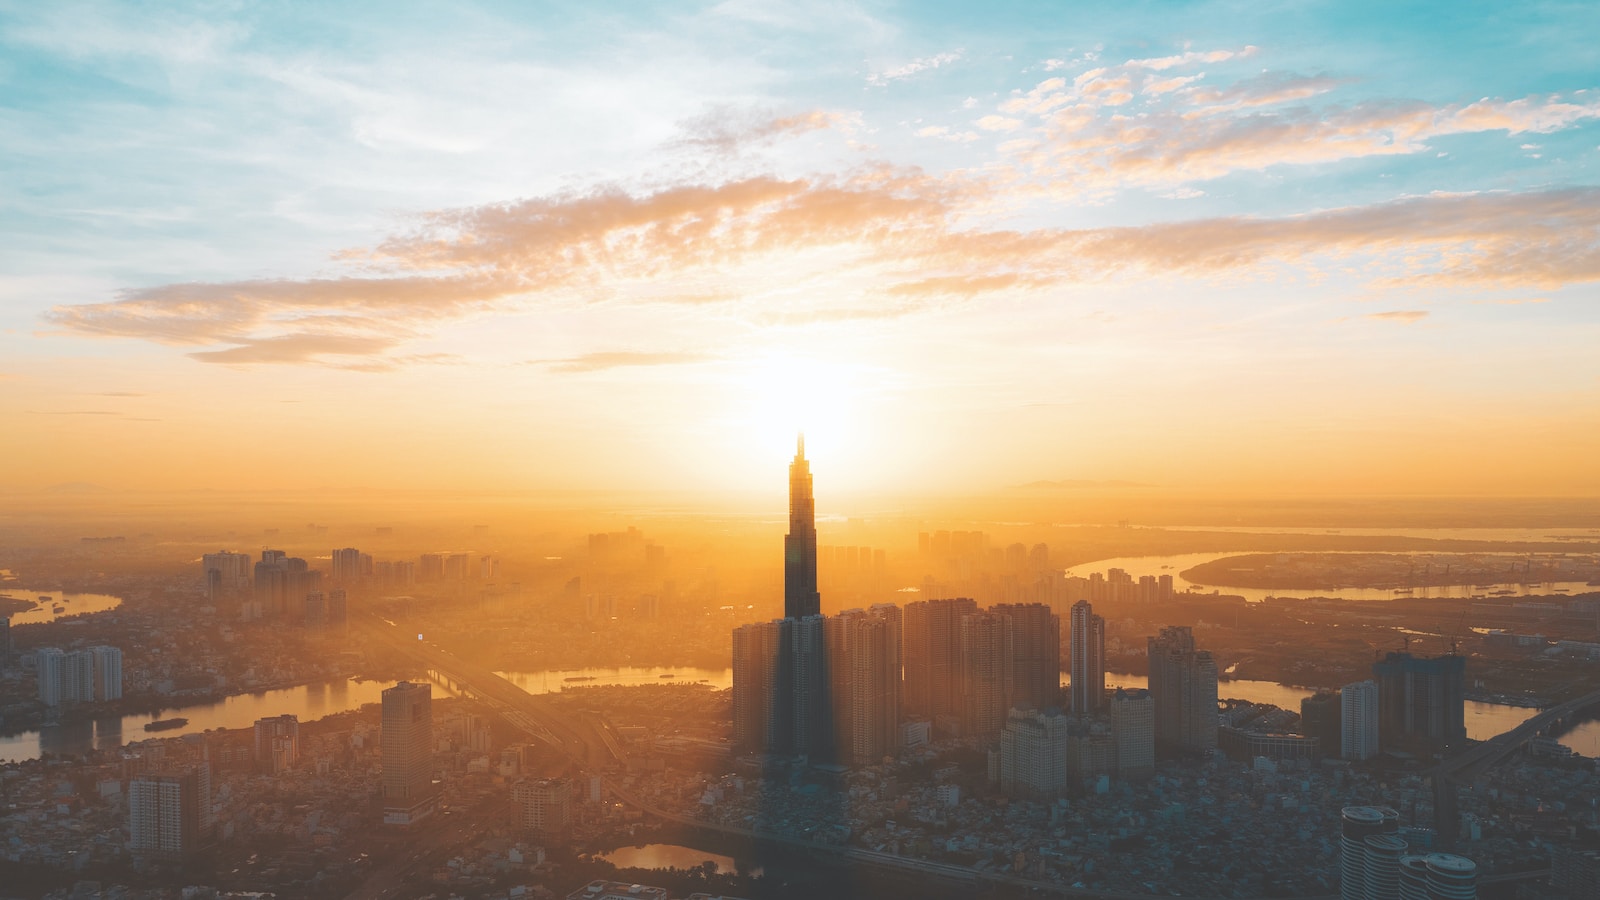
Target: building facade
(409, 794)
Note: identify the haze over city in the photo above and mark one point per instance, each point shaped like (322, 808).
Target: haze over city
(747, 450)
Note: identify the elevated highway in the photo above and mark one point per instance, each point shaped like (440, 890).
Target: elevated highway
(1464, 767)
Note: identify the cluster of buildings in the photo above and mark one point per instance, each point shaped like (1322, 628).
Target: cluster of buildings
(91, 675)
(852, 688)
(1412, 704)
(287, 588)
(1374, 862)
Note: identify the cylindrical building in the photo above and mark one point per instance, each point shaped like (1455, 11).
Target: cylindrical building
(1414, 878)
(1360, 823)
(1383, 852)
(1451, 877)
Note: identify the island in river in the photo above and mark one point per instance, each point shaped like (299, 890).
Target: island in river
(1326, 571)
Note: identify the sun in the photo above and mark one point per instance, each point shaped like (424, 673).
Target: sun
(779, 395)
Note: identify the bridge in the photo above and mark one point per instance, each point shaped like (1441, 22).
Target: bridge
(584, 740)
(1466, 766)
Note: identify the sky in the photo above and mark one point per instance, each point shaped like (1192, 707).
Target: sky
(1254, 248)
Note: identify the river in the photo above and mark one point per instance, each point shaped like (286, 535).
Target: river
(1137, 566)
(48, 601)
(313, 701)
(307, 702)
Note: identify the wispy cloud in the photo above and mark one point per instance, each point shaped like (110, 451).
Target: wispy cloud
(1399, 316)
(728, 130)
(906, 70)
(617, 359)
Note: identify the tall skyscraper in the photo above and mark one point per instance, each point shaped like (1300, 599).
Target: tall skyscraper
(1421, 702)
(408, 791)
(169, 815)
(1359, 714)
(1087, 659)
(800, 595)
(1183, 682)
(987, 661)
(1036, 644)
(932, 651)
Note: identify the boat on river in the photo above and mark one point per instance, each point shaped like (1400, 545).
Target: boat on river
(166, 724)
(578, 678)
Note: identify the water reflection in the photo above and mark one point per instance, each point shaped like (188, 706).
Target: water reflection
(676, 856)
(47, 602)
(1137, 566)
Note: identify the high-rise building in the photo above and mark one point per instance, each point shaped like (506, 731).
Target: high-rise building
(987, 659)
(1036, 645)
(316, 609)
(1374, 864)
(1360, 711)
(1183, 682)
(50, 666)
(800, 595)
(1133, 730)
(782, 692)
(169, 815)
(932, 656)
(863, 653)
(546, 805)
(756, 680)
(1033, 755)
(226, 573)
(107, 673)
(77, 677)
(1087, 657)
(347, 565)
(1357, 824)
(5, 638)
(1321, 718)
(409, 794)
(338, 612)
(277, 743)
(1421, 702)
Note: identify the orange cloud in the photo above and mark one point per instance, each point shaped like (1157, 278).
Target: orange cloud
(896, 232)
(1402, 316)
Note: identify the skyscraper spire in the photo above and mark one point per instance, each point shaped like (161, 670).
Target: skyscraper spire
(800, 596)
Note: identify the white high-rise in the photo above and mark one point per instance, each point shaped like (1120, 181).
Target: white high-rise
(1358, 720)
(50, 665)
(107, 672)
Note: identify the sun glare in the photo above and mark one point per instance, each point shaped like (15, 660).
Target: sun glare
(781, 395)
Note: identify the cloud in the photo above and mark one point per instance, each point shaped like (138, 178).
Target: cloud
(616, 359)
(1514, 301)
(727, 130)
(906, 70)
(998, 123)
(295, 348)
(1162, 63)
(911, 238)
(1402, 316)
(1083, 152)
(120, 394)
(75, 412)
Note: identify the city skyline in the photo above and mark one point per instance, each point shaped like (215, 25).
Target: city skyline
(1285, 251)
